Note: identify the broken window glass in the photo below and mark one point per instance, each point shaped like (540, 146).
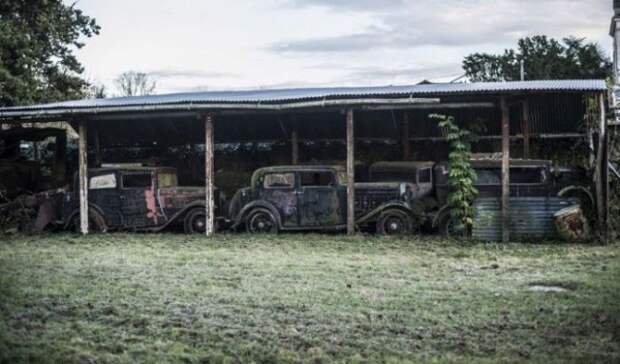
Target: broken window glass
(102, 182)
(279, 180)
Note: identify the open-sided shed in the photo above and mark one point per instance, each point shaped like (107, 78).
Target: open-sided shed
(510, 111)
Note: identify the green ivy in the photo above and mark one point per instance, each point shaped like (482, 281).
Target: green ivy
(462, 177)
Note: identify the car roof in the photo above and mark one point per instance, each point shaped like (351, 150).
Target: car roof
(523, 163)
(294, 168)
(400, 165)
(130, 169)
(497, 163)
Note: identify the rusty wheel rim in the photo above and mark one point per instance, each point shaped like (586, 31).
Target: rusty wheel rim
(199, 223)
(394, 225)
(261, 222)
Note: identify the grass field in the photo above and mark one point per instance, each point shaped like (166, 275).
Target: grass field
(304, 298)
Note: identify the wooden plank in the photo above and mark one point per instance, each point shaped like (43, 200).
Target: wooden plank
(505, 171)
(526, 129)
(83, 177)
(295, 147)
(209, 176)
(350, 173)
(405, 138)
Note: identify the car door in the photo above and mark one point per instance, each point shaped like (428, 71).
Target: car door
(279, 189)
(138, 202)
(103, 192)
(319, 205)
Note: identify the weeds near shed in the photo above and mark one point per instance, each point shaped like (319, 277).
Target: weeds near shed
(462, 177)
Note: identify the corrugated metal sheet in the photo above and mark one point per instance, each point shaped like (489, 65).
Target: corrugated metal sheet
(530, 218)
(292, 95)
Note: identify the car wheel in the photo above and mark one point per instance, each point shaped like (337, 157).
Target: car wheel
(394, 222)
(96, 222)
(261, 221)
(195, 222)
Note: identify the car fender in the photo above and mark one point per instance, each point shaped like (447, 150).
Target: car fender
(238, 220)
(91, 206)
(580, 189)
(440, 215)
(397, 205)
(179, 214)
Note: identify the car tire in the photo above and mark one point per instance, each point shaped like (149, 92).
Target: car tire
(261, 221)
(96, 222)
(195, 221)
(395, 223)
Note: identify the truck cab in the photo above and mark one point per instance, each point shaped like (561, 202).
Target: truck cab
(138, 199)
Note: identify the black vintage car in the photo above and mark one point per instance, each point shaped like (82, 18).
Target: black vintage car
(289, 198)
(528, 179)
(138, 199)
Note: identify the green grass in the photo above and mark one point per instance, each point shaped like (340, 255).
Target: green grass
(304, 298)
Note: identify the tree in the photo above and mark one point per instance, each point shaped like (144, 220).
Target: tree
(135, 84)
(37, 43)
(96, 91)
(543, 58)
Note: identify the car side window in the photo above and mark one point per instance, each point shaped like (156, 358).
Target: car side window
(316, 179)
(279, 180)
(137, 180)
(488, 177)
(166, 179)
(424, 175)
(527, 175)
(106, 181)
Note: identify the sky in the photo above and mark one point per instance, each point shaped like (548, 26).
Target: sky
(201, 45)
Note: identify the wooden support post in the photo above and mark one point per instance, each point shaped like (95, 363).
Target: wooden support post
(83, 176)
(405, 137)
(295, 147)
(350, 173)
(209, 176)
(526, 129)
(607, 187)
(97, 140)
(601, 167)
(505, 171)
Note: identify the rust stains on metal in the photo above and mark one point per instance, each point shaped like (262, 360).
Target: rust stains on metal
(151, 205)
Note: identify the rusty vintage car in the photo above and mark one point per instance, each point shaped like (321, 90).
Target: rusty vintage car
(538, 190)
(289, 198)
(138, 199)
(534, 182)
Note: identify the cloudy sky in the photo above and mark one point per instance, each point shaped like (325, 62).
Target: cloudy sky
(191, 45)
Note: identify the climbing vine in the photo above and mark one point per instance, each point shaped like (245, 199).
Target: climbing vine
(462, 177)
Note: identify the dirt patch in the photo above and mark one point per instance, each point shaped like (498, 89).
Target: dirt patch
(552, 286)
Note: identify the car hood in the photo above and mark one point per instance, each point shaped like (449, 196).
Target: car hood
(386, 185)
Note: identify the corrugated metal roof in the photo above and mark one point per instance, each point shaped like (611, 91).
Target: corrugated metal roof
(283, 96)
